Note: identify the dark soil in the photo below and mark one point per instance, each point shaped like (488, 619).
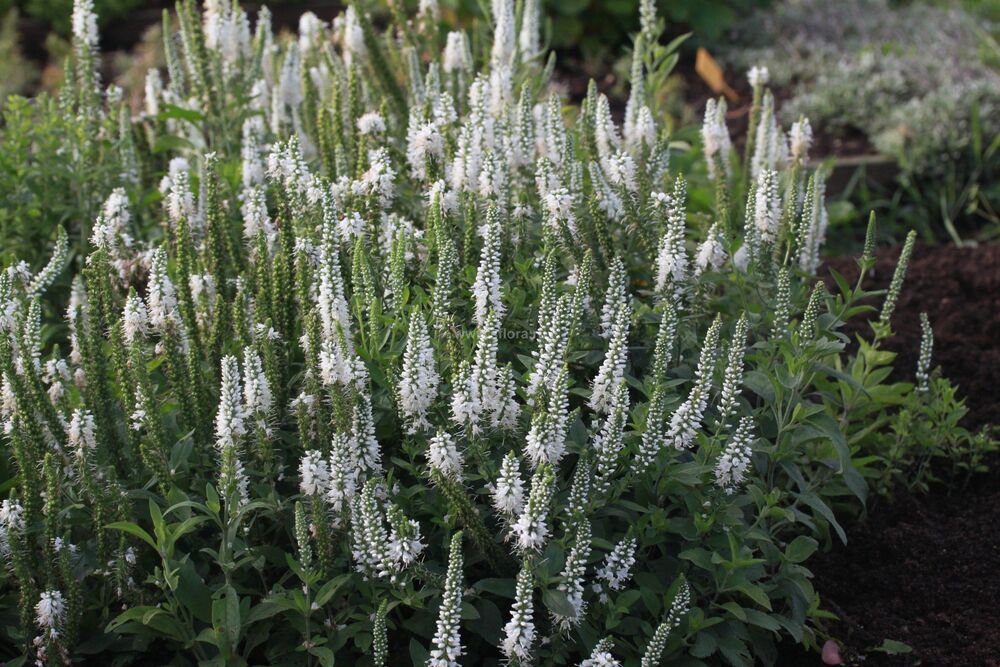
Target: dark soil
(923, 569)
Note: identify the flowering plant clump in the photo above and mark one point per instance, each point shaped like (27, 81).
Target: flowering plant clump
(297, 422)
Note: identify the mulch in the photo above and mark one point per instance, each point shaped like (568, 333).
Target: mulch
(923, 569)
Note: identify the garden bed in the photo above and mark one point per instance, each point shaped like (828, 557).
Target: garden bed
(918, 569)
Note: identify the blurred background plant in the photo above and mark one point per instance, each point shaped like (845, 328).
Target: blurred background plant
(16, 73)
(55, 14)
(597, 29)
(915, 81)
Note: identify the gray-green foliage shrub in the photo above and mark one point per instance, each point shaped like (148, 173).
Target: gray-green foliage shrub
(907, 76)
(415, 368)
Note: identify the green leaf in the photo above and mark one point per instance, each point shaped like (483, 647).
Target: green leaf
(557, 602)
(675, 43)
(800, 549)
(755, 593)
(856, 483)
(132, 529)
(502, 587)
(282, 601)
(193, 593)
(147, 617)
(762, 620)
(628, 598)
(233, 624)
(760, 384)
(829, 427)
(330, 588)
(418, 653)
(893, 647)
(325, 655)
(977, 136)
(850, 381)
(490, 623)
(296, 567)
(181, 452)
(735, 651)
(265, 609)
(994, 146)
(180, 113)
(212, 498)
(185, 527)
(132, 614)
(168, 143)
(842, 283)
(705, 645)
(824, 511)
(735, 609)
(469, 612)
(700, 557)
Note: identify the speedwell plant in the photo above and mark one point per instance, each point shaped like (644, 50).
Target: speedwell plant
(418, 364)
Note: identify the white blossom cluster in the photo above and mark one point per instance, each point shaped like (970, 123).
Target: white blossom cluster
(715, 140)
(687, 418)
(444, 456)
(926, 350)
(573, 578)
(519, 633)
(447, 643)
(601, 656)
(617, 568)
(672, 259)
(678, 608)
(508, 490)
(339, 304)
(531, 529)
(11, 521)
(230, 428)
(734, 461)
(419, 380)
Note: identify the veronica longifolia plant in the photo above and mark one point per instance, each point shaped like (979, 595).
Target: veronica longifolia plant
(415, 369)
